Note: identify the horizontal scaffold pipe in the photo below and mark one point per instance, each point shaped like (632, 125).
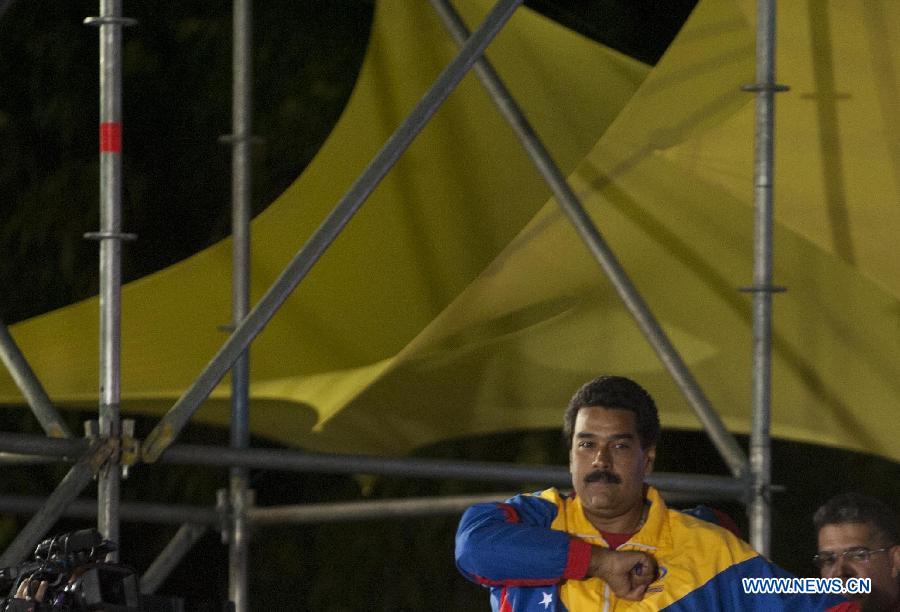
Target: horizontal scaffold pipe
(14, 459)
(134, 512)
(26, 444)
(699, 485)
(274, 515)
(381, 509)
(375, 509)
(293, 461)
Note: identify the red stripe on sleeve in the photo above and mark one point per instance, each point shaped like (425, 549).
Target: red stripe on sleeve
(511, 515)
(578, 560)
(110, 137)
(505, 606)
(514, 582)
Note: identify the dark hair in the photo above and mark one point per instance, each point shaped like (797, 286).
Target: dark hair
(620, 393)
(858, 508)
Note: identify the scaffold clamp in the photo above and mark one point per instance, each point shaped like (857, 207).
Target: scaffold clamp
(100, 21)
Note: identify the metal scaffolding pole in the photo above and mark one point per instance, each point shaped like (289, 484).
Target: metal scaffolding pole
(295, 461)
(110, 24)
(180, 544)
(174, 421)
(726, 444)
(760, 440)
(241, 190)
(200, 519)
(20, 460)
(132, 512)
(383, 509)
(193, 517)
(28, 537)
(287, 460)
(370, 510)
(31, 387)
(78, 477)
(27, 444)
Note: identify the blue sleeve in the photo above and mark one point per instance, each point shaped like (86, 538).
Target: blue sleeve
(511, 544)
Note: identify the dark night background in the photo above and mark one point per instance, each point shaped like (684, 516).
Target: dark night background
(177, 92)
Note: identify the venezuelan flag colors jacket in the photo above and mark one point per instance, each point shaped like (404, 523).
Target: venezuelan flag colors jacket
(533, 550)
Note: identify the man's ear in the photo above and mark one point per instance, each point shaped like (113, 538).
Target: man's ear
(649, 458)
(895, 560)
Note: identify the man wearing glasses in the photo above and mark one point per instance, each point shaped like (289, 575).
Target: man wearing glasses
(859, 537)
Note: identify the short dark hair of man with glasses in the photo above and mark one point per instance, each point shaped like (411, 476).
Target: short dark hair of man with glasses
(859, 537)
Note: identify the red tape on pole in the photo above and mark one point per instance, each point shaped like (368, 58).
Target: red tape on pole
(111, 137)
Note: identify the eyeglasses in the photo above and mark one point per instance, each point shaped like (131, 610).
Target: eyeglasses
(859, 554)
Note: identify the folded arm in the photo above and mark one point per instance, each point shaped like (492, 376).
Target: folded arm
(511, 544)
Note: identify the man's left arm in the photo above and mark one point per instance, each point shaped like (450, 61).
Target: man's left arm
(512, 544)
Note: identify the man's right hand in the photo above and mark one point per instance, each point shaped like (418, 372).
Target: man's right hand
(627, 572)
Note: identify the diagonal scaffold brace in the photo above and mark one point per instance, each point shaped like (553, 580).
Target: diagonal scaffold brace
(98, 455)
(177, 417)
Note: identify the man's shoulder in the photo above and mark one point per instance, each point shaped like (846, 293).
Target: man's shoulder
(546, 498)
(685, 525)
(706, 539)
(552, 495)
(540, 508)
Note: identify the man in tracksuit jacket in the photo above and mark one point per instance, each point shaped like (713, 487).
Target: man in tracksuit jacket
(613, 544)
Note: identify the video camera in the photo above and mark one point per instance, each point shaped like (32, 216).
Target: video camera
(77, 577)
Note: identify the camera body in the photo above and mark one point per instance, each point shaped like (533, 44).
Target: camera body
(77, 577)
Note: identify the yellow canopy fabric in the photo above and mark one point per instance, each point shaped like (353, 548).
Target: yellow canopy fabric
(670, 185)
(456, 198)
(460, 301)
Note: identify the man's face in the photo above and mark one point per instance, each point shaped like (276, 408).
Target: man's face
(607, 462)
(882, 567)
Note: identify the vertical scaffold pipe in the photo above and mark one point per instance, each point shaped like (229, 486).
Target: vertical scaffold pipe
(110, 24)
(241, 190)
(760, 439)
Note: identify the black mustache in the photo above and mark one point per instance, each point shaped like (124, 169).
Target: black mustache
(603, 475)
